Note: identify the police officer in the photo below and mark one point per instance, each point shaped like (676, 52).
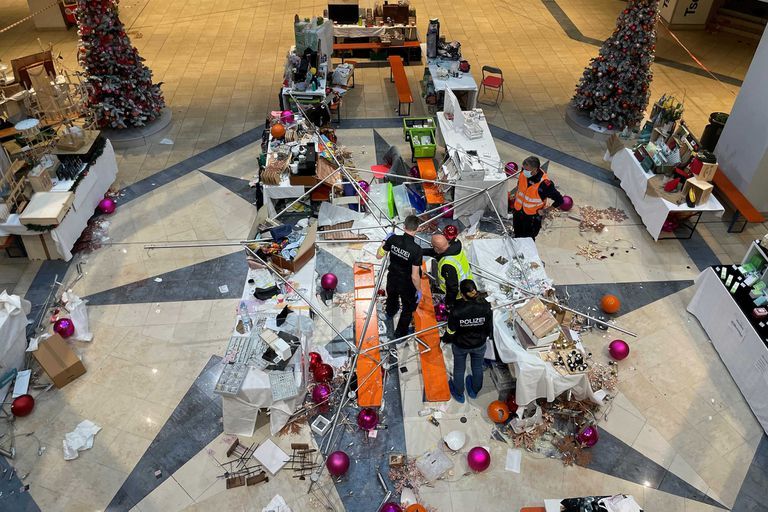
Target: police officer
(470, 324)
(533, 189)
(452, 267)
(403, 278)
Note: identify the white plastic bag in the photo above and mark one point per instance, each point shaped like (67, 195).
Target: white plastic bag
(79, 316)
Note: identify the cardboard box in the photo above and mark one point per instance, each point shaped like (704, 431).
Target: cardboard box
(537, 319)
(702, 189)
(303, 255)
(47, 208)
(59, 361)
(305, 181)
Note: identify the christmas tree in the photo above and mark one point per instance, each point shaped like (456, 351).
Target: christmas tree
(615, 87)
(122, 94)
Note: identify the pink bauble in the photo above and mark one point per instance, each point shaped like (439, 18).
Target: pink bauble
(441, 312)
(391, 506)
(367, 419)
(619, 349)
(447, 212)
(413, 172)
(478, 459)
(22, 405)
(669, 225)
(286, 117)
(329, 281)
(511, 168)
(364, 186)
(588, 436)
(321, 393)
(107, 205)
(337, 463)
(64, 327)
(567, 203)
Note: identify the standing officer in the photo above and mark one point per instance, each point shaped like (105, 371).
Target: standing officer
(452, 267)
(403, 278)
(533, 189)
(470, 324)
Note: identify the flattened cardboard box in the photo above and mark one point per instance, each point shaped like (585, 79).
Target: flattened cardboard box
(59, 361)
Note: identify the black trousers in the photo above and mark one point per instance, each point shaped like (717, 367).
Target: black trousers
(525, 226)
(401, 291)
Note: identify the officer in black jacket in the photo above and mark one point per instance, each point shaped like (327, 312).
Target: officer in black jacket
(470, 324)
(403, 278)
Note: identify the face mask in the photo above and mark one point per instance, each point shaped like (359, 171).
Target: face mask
(527, 173)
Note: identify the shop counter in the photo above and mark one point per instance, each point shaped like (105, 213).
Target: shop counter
(654, 210)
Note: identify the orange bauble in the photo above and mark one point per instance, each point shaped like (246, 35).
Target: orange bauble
(415, 508)
(498, 411)
(610, 304)
(277, 131)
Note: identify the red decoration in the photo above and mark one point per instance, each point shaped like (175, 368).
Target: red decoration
(323, 372)
(22, 405)
(314, 360)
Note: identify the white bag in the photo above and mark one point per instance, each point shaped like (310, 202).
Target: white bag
(79, 316)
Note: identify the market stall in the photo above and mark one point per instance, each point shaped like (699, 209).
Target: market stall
(473, 161)
(653, 209)
(445, 75)
(56, 239)
(730, 305)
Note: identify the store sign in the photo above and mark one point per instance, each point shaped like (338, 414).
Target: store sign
(685, 12)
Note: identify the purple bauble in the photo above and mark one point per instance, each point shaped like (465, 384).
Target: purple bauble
(588, 436)
(447, 212)
(367, 419)
(337, 463)
(567, 203)
(64, 327)
(321, 393)
(669, 225)
(329, 281)
(478, 459)
(413, 172)
(364, 186)
(107, 205)
(510, 168)
(619, 349)
(391, 506)
(441, 312)
(286, 117)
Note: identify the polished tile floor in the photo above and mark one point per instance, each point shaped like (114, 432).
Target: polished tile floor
(692, 441)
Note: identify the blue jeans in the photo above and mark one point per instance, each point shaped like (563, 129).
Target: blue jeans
(460, 365)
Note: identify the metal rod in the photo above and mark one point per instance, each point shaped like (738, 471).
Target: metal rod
(420, 180)
(305, 194)
(213, 243)
(403, 338)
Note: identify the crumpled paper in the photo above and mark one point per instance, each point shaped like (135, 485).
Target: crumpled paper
(79, 439)
(13, 304)
(79, 316)
(277, 504)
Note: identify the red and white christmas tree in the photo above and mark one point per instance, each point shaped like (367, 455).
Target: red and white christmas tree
(615, 87)
(122, 94)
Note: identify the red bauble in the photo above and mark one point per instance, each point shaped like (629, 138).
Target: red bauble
(619, 90)
(22, 405)
(323, 372)
(314, 360)
(625, 106)
(610, 126)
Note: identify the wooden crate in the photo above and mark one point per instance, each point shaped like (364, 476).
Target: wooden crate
(47, 208)
(40, 179)
(702, 189)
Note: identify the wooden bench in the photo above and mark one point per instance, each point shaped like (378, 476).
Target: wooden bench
(398, 76)
(407, 46)
(741, 205)
(427, 172)
(12, 243)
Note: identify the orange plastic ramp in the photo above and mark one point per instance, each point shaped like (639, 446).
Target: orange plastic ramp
(369, 394)
(433, 371)
(427, 172)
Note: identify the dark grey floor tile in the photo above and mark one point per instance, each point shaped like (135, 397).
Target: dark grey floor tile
(237, 186)
(13, 496)
(632, 295)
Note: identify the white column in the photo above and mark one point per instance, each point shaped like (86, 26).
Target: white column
(742, 151)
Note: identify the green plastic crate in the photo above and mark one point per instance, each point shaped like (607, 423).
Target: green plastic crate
(418, 146)
(416, 122)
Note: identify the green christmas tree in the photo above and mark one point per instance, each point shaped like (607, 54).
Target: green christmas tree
(615, 87)
(122, 94)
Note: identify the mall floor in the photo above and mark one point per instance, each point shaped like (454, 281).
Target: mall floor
(679, 436)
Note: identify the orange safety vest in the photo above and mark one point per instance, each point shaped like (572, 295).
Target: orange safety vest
(527, 197)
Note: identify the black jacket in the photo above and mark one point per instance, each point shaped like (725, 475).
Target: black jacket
(547, 190)
(449, 273)
(470, 323)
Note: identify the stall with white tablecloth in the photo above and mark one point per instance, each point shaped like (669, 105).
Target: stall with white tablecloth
(57, 243)
(653, 210)
(13, 333)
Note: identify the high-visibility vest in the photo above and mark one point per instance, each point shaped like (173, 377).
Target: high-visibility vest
(458, 262)
(527, 197)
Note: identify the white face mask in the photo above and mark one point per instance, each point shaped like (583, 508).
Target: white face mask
(527, 173)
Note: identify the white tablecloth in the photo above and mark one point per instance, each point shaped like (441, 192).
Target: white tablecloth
(487, 152)
(464, 83)
(89, 192)
(735, 339)
(13, 336)
(652, 210)
(284, 190)
(484, 252)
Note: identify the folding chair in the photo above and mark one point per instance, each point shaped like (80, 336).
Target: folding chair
(493, 80)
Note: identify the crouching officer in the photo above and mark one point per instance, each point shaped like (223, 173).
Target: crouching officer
(470, 324)
(403, 278)
(452, 267)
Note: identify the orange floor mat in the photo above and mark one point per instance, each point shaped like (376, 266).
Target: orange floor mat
(433, 372)
(368, 373)
(427, 172)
